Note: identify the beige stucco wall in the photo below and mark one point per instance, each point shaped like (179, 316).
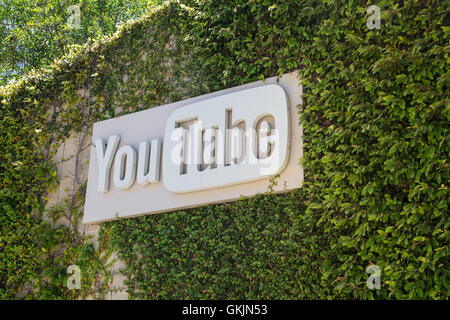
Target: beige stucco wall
(72, 172)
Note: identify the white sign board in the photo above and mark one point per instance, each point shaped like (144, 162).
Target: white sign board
(208, 149)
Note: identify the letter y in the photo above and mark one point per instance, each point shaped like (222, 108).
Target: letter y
(105, 159)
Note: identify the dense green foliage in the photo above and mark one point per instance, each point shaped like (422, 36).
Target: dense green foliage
(36, 251)
(250, 249)
(377, 129)
(375, 118)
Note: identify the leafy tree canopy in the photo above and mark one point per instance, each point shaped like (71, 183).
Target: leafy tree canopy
(35, 32)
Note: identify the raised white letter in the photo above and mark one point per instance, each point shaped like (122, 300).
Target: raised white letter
(105, 161)
(265, 140)
(152, 168)
(125, 161)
